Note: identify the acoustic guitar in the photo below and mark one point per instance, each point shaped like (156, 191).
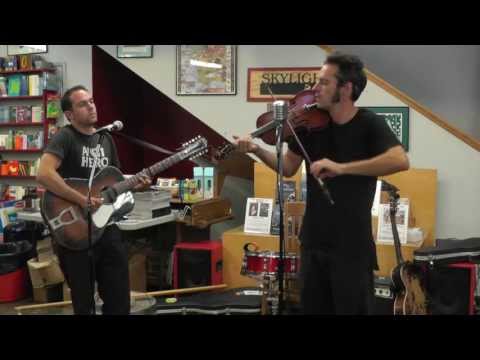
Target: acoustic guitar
(407, 278)
(68, 222)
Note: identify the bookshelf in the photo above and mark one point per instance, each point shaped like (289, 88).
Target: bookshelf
(24, 126)
(27, 71)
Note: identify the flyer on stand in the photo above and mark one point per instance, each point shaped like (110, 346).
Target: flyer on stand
(384, 233)
(258, 215)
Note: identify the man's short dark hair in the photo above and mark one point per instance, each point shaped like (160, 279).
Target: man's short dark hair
(350, 68)
(66, 102)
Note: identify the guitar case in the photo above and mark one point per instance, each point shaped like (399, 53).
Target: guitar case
(239, 301)
(449, 251)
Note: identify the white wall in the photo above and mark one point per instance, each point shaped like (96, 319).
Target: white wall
(458, 164)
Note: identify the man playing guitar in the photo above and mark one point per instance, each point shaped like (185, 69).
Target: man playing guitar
(71, 153)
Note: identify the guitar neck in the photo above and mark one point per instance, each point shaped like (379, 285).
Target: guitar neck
(130, 183)
(396, 237)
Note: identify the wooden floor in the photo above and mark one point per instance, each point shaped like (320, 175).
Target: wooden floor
(9, 308)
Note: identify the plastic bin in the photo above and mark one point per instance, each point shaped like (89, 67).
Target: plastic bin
(14, 255)
(14, 278)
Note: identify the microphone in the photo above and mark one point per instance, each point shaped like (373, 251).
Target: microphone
(308, 107)
(116, 126)
(280, 111)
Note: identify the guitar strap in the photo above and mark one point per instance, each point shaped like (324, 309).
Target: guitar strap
(144, 143)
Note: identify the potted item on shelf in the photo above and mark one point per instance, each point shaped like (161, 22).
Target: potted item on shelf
(25, 62)
(53, 106)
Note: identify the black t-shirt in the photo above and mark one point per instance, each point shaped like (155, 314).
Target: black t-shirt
(344, 229)
(78, 152)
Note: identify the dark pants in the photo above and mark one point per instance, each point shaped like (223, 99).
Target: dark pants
(111, 270)
(330, 285)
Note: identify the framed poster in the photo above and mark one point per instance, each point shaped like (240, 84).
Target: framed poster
(206, 70)
(397, 117)
(134, 51)
(269, 84)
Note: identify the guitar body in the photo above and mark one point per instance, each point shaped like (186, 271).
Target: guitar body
(408, 286)
(68, 223)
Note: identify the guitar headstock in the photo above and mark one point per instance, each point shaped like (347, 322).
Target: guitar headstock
(392, 194)
(194, 148)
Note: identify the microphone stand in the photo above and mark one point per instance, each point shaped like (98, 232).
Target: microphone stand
(279, 143)
(89, 223)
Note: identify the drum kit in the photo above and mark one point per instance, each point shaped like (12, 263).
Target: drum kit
(263, 267)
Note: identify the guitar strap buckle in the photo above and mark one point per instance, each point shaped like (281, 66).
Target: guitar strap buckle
(57, 222)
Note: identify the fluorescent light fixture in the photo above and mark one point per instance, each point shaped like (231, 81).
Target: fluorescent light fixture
(34, 47)
(205, 64)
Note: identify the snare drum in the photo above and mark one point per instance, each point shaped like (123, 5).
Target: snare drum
(272, 260)
(259, 264)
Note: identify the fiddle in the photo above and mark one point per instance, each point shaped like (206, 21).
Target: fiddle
(302, 114)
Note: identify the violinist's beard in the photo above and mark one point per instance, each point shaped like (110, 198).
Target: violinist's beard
(336, 97)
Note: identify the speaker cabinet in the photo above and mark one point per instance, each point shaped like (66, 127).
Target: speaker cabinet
(451, 289)
(197, 264)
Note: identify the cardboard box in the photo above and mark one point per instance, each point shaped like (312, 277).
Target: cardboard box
(67, 293)
(45, 250)
(45, 273)
(49, 293)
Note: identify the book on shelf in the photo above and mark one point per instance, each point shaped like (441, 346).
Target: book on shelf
(11, 63)
(12, 117)
(3, 141)
(50, 81)
(14, 85)
(24, 114)
(3, 86)
(23, 85)
(4, 114)
(34, 85)
(37, 140)
(37, 114)
(20, 141)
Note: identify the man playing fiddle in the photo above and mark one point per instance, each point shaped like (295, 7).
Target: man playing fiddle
(338, 253)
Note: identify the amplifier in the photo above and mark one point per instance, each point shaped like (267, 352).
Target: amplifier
(384, 296)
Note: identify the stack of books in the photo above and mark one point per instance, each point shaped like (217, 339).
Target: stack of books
(151, 204)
